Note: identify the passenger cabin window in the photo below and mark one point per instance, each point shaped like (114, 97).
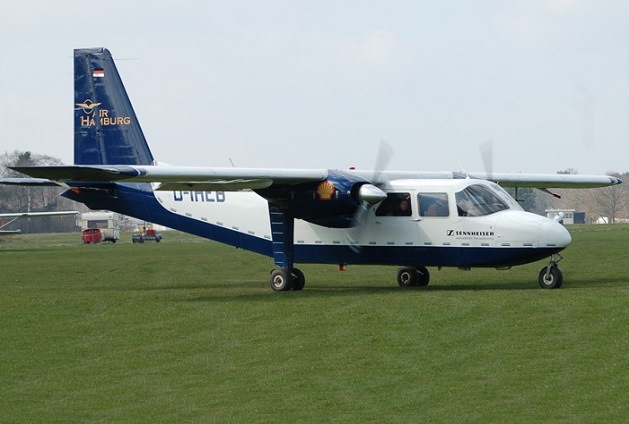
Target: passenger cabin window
(478, 200)
(433, 204)
(396, 204)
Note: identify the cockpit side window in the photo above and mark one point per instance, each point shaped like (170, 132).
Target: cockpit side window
(478, 200)
(433, 204)
(396, 204)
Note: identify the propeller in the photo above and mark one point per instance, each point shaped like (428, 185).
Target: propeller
(385, 153)
(369, 194)
(487, 154)
(586, 106)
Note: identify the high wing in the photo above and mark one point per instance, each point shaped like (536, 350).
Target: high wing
(231, 179)
(540, 181)
(177, 178)
(549, 180)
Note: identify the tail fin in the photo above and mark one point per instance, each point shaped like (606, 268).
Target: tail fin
(106, 130)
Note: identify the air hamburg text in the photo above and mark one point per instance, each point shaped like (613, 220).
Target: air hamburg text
(104, 119)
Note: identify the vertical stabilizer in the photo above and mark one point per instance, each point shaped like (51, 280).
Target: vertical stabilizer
(106, 130)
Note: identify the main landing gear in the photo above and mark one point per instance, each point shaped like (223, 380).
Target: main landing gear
(550, 277)
(408, 276)
(285, 279)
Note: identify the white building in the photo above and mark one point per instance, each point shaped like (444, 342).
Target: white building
(568, 215)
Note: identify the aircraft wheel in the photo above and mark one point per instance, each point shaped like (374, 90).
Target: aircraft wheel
(281, 279)
(299, 280)
(407, 276)
(424, 276)
(552, 280)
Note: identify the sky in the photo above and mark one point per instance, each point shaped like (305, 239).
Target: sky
(320, 84)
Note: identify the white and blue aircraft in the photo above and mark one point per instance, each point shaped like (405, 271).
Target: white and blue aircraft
(17, 215)
(413, 220)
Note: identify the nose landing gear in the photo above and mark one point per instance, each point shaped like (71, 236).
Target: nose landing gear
(550, 277)
(413, 276)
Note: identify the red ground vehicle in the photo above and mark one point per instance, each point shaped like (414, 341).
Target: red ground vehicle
(92, 235)
(149, 235)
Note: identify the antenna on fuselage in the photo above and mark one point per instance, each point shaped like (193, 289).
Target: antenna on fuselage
(487, 154)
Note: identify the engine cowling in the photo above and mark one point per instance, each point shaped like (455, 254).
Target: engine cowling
(332, 202)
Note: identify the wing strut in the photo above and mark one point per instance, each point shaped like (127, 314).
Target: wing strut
(545, 190)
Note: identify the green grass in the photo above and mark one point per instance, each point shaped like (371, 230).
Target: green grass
(189, 331)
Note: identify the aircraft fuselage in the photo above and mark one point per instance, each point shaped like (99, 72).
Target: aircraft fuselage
(490, 235)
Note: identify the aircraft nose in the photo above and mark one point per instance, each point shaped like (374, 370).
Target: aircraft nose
(554, 234)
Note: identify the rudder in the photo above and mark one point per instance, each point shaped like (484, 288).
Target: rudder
(106, 130)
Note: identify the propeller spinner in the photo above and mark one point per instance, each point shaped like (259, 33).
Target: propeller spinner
(370, 194)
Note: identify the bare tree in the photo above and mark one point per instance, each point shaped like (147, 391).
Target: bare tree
(611, 202)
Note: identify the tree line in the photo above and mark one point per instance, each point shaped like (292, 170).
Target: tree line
(34, 199)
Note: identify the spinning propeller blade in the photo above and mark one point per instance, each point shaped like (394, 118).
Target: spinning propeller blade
(487, 153)
(369, 195)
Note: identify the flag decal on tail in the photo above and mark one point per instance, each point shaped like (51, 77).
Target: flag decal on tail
(98, 73)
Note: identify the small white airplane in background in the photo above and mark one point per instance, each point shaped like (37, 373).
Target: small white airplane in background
(18, 215)
(413, 220)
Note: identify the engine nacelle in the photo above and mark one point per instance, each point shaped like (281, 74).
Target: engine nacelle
(330, 203)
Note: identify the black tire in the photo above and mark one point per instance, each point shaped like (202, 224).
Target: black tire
(281, 279)
(299, 280)
(424, 276)
(553, 280)
(407, 276)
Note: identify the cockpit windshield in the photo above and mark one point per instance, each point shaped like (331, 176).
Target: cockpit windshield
(504, 195)
(479, 200)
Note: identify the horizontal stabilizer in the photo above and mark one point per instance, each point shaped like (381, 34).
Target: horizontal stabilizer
(79, 172)
(28, 182)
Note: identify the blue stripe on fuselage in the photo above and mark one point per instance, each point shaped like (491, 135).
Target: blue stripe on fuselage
(446, 256)
(138, 200)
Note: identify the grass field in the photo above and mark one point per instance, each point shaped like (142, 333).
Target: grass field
(189, 331)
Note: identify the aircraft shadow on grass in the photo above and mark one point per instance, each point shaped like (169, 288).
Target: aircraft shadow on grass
(226, 294)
